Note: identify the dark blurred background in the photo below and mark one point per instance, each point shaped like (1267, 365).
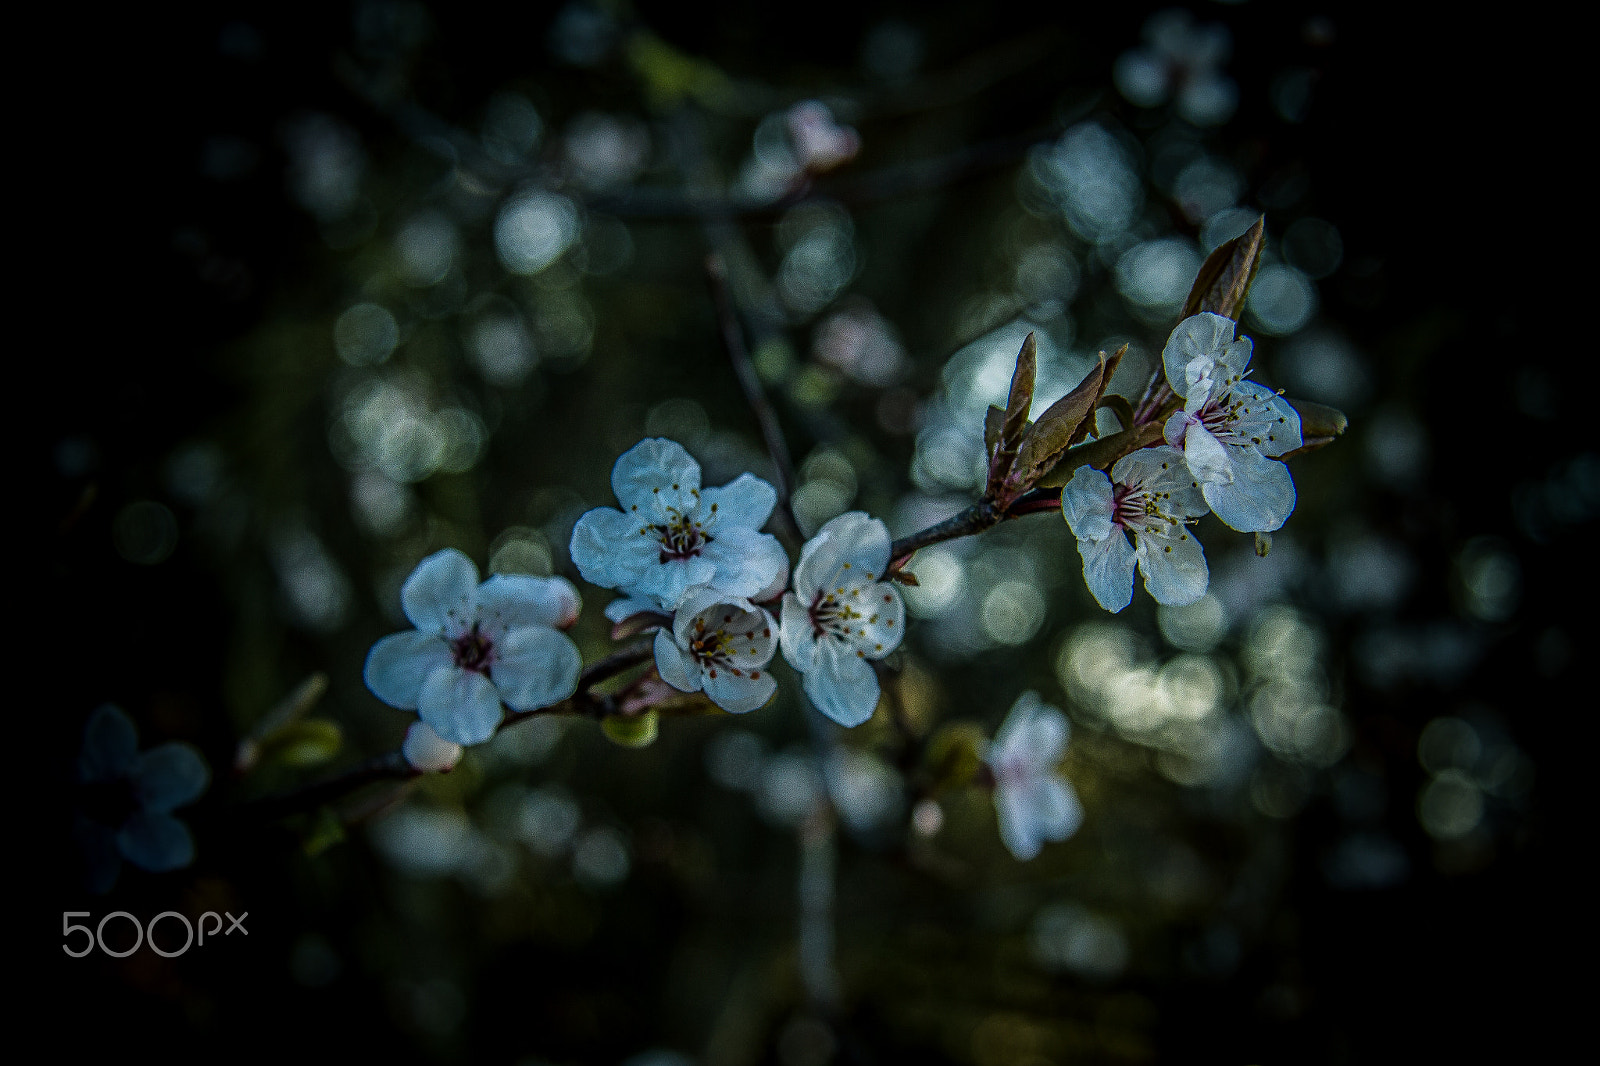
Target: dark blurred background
(330, 287)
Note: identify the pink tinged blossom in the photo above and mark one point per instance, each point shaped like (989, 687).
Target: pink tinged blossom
(670, 535)
(477, 648)
(719, 645)
(820, 143)
(841, 616)
(1032, 801)
(1230, 429)
(1138, 517)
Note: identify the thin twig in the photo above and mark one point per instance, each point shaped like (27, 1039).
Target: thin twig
(393, 765)
(755, 396)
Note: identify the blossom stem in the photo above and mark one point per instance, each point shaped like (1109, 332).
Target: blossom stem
(756, 397)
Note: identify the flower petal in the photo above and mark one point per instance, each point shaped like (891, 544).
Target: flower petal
(1057, 814)
(797, 635)
(1032, 729)
(1260, 496)
(462, 706)
(511, 601)
(169, 776)
(655, 475)
(884, 623)
(675, 665)
(158, 842)
(110, 745)
(740, 695)
(1015, 816)
(1208, 460)
(628, 606)
(1266, 419)
(842, 684)
(1087, 503)
(534, 667)
(1203, 336)
(747, 563)
(437, 597)
(1108, 569)
(854, 540)
(1174, 567)
(427, 751)
(745, 502)
(668, 581)
(609, 550)
(398, 664)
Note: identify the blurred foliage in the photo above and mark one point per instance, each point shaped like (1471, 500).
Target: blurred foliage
(381, 278)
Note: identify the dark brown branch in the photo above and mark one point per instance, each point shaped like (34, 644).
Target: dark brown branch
(975, 519)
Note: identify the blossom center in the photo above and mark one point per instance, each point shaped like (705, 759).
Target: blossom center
(1139, 510)
(681, 537)
(1013, 768)
(831, 615)
(717, 646)
(473, 650)
(1221, 413)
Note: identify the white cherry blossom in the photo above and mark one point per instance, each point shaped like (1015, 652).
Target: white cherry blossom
(1230, 427)
(1032, 801)
(476, 647)
(671, 535)
(1150, 497)
(841, 615)
(720, 645)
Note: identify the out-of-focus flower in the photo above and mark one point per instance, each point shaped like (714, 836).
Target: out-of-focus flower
(1182, 62)
(1031, 800)
(1229, 427)
(476, 647)
(860, 342)
(671, 535)
(131, 797)
(719, 644)
(427, 751)
(820, 143)
(1150, 496)
(840, 615)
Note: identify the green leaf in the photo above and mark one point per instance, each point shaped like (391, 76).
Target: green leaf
(994, 421)
(631, 730)
(1225, 277)
(1120, 406)
(1320, 426)
(1062, 425)
(1319, 420)
(323, 833)
(305, 743)
(1004, 433)
(1101, 453)
(1020, 400)
(953, 755)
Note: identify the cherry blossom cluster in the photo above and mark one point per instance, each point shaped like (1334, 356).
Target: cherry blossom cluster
(698, 556)
(692, 565)
(1219, 456)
